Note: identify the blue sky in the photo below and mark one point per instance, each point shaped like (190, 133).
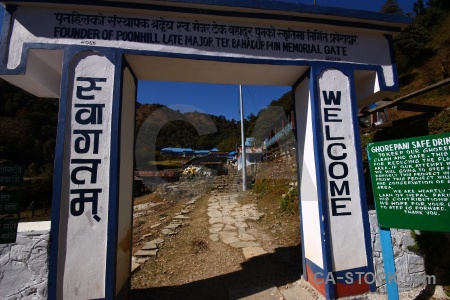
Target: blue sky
(224, 99)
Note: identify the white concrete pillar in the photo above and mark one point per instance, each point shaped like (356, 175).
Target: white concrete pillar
(90, 239)
(335, 229)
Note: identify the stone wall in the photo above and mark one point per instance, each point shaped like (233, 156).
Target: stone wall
(410, 267)
(24, 265)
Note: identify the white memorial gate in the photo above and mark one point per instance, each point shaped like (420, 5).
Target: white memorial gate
(90, 54)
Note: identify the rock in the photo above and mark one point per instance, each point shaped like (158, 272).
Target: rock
(214, 214)
(228, 220)
(241, 224)
(415, 263)
(229, 227)
(407, 241)
(214, 237)
(141, 260)
(250, 252)
(246, 237)
(146, 236)
(181, 217)
(146, 253)
(214, 229)
(241, 244)
(173, 226)
(168, 232)
(149, 246)
(419, 279)
(230, 240)
(227, 233)
(155, 225)
(134, 266)
(226, 212)
(157, 241)
(377, 244)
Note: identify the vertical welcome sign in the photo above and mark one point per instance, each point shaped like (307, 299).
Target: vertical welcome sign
(85, 187)
(335, 231)
(341, 173)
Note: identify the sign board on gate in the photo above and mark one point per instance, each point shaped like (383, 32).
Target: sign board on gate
(11, 175)
(8, 231)
(411, 182)
(9, 202)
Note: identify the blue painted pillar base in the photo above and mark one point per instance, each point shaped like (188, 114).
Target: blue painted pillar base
(389, 263)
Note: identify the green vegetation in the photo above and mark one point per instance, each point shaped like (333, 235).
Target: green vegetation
(440, 123)
(187, 130)
(423, 58)
(177, 129)
(422, 50)
(27, 137)
(278, 190)
(262, 125)
(433, 246)
(289, 201)
(167, 164)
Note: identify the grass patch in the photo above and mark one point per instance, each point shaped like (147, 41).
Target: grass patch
(440, 123)
(289, 201)
(198, 245)
(280, 191)
(167, 164)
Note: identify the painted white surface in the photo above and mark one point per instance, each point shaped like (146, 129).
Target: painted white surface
(196, 34)
(125, 212)
(388, 72)
(310, 217)
(42, 77)
(83, 240)
(33, 226)
(347, 235)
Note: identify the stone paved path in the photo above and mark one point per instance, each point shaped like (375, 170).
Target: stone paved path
(151, 248)
(227, 219)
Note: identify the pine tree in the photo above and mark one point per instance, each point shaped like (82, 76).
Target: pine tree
(391, 7)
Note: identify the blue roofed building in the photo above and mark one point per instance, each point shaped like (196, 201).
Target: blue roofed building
(177, 152)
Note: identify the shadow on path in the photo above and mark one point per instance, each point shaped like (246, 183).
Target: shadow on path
(272, 269)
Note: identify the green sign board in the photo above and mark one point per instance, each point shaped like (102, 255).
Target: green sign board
(11, 175)
(411, 182)
(9, 202)
(8, 231)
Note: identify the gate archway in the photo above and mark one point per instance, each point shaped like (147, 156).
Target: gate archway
(91, 54)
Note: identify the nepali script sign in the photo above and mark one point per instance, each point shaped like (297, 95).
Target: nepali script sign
(411, 182)
(8, 231)
(9, 202)
(159, 32)
(11, 175)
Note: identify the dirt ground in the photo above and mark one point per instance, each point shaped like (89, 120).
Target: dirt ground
(189, 265)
